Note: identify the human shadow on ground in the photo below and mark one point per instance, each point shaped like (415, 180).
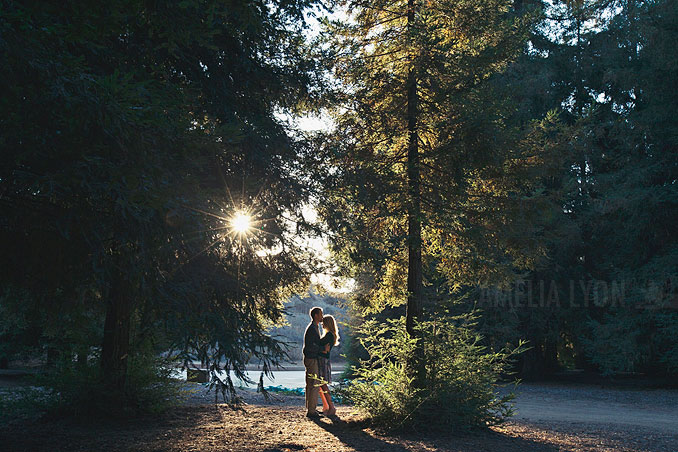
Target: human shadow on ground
(350, 433)
(286, 447)
(353, 435)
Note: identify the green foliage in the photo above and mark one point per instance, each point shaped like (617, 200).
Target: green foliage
(79, 390)
(665, 340)
(617, 343)
(610, 179)
(481, 206)
(25, 403)
(460, 389)
(353, 351)
(29, 326)
(130, 133)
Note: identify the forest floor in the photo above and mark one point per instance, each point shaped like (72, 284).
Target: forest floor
(550, 417)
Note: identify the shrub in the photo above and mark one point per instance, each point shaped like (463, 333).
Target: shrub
(461, 376)
(79, 390)
(22, 403)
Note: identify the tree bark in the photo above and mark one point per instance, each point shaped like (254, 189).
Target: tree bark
(115, 347)
(550, 357)
(414, 269)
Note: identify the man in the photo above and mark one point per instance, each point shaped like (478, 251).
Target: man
(310, 352)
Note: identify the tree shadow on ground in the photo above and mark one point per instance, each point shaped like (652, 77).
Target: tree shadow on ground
(353, 435)
(286, 447)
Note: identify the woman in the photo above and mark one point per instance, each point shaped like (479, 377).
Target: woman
(329, 340)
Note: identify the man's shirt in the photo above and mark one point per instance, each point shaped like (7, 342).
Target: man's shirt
(311, 342)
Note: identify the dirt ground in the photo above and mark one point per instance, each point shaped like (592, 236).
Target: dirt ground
(280, 425)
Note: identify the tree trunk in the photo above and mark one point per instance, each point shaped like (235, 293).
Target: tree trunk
(115, 347)
(550, 357)
(53, 355)
(81, 357)
(414, 269)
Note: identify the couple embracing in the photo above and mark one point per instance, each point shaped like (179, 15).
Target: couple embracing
(316, 353)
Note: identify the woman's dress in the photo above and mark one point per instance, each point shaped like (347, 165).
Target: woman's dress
(324, 366)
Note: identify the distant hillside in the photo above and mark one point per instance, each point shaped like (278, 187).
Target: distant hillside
(297, 316)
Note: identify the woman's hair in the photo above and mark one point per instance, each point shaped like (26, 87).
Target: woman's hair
(329, 324)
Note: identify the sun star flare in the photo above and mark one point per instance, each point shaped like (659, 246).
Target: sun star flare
(241, 222)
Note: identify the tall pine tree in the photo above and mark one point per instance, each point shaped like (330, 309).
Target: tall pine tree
(125, 125)
(427, 187)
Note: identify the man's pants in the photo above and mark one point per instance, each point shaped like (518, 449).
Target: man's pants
(312, 388)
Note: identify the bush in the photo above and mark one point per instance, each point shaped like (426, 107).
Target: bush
(461, 376)
(23, 403)
(79, 389)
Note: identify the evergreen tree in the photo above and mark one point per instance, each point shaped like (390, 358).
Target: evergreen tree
(600, 64)
(633, 211)
(124, 126)
(422, 161)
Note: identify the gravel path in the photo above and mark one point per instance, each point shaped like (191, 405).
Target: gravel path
(557, 417)
(279, 424)
(619, 409)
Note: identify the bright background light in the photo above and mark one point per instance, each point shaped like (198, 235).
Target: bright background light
(241, 222)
